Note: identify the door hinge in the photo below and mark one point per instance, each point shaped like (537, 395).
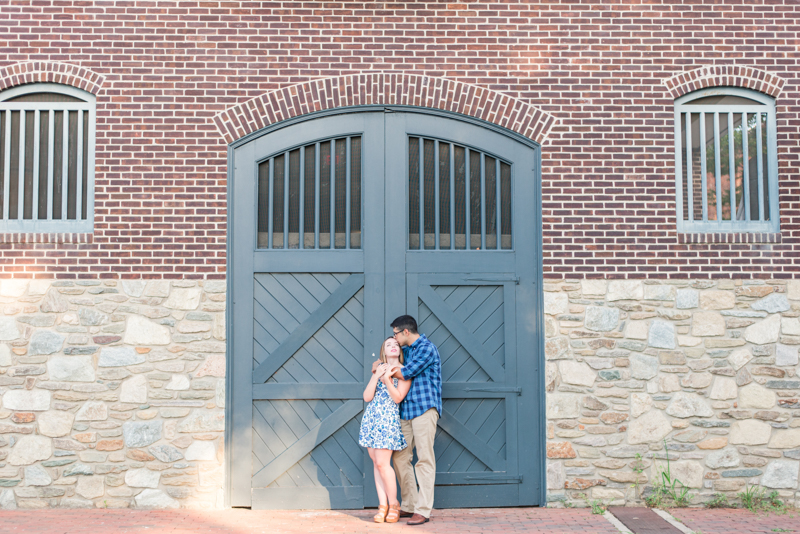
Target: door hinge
(509, 478)
(495, 389)
(490, 278)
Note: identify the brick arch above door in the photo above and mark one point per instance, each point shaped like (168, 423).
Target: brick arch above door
(725, 75)
(384, 89)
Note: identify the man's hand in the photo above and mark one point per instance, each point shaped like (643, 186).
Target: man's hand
(375, 365)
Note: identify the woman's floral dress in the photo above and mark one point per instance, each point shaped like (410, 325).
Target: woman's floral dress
(380, 426)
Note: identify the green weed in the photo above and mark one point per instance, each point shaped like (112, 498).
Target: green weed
(667, 489)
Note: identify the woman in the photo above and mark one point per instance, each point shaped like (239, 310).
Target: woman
(380, 427)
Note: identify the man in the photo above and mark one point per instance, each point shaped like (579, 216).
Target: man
(419, 413)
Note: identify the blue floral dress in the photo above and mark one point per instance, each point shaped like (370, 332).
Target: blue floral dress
(380, 426)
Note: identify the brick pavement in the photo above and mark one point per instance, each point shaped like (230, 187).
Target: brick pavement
(239, 521)
(728, 521)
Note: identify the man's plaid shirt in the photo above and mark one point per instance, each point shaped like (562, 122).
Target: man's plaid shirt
(423, 365)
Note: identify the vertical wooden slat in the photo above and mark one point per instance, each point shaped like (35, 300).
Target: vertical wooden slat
(483, 205)
(317, 197)
(452, 197)
(286, 200)
(64, 164)
(21, 182)
(703, 180)
(333, 194)
(467, 180)
(436, 192)
(689, 184)
(7, 166)
(347, 179)
(759, 168)
(79, 179)
(717, 167)
(51, 136)
(498, 204)
(36, 142)
(745, 169)
(731, 167)
(271, 201)
(302, 193)
(421, 193)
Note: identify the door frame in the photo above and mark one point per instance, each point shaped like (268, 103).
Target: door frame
(533, 367)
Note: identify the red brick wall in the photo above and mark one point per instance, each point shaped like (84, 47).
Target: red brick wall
(164, 70)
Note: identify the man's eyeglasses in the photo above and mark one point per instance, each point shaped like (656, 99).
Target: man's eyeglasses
(395, 334)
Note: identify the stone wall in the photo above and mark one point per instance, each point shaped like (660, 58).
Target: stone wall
(708, 366)
(111, 393)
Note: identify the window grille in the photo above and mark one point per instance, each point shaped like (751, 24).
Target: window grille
(47, 136)
(313, 191)
(726, 162)
(459, 198)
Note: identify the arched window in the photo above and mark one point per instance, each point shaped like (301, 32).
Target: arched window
(726, 161)
(47, 137)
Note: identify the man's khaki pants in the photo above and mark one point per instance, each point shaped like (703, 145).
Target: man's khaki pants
(420, 433)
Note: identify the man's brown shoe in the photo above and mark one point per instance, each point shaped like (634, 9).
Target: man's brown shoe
(417, 519)
(403, 513)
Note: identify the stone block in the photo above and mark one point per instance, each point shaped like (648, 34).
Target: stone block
(184, 298)
(8, 329)
(756, 396)
(650, 427)
(45, 342)
(71, 368)
(36, 475)
(141, 434)
(636, 330)
(555, 476)
(717, 300)
(661, 335)
(697, 380)
(561, 449)
(781, 474)
(119, 357)
(686, 299)
(90, 487)
(92, 411)
(739, 358)
(35, 400)
(772, 303)
(595, 288)
(749, 432)
(141, 331)
(134, 390)
(786, 355)
(659, 292)
(723, 458)
(763, 332)
(142, 478)
(601, 319)
(572, 372)
(790, 326)
(785, 439)
(555, 303)
(201, 451)
(625, 290)
(55, 424)
(30, 449)
(707, 323)
(686, 405)
(214, 420)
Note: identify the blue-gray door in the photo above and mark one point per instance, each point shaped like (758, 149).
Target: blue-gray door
(338, 225)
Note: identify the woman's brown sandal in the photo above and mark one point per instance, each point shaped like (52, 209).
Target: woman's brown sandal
(380, 517)
(394, 513)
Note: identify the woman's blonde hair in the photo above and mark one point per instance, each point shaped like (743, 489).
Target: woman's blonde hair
(383, 351)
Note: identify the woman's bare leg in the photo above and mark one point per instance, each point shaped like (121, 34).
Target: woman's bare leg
(383, 465)
(382, 497)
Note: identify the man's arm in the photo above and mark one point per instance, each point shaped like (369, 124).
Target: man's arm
(422, 360)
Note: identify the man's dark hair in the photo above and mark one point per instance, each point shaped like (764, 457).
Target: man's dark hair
(405, 322)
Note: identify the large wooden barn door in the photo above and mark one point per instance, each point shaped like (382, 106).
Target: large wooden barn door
(340, 224)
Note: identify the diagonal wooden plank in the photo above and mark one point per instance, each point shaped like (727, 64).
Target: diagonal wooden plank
(306, 443)
(307, 328)
(464, 336)
(471, 442)
(460, 333)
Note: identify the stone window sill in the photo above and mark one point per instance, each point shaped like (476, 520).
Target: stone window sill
(740, 237)
(75, 238)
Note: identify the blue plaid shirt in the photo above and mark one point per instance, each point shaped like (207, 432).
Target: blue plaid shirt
(423, 365)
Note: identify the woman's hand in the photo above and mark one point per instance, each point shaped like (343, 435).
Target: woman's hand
(381, 370)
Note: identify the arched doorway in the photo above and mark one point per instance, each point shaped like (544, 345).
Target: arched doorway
(342, 221)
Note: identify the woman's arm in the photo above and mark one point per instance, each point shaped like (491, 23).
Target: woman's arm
(369, 391)
(396, 393)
